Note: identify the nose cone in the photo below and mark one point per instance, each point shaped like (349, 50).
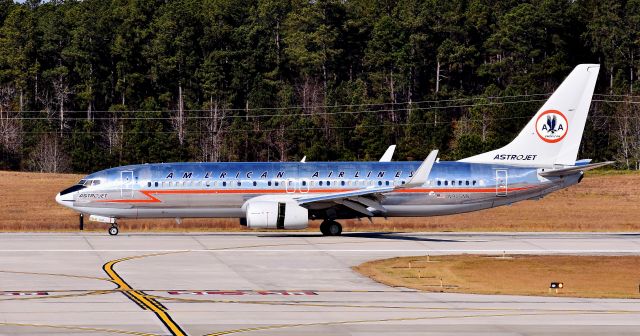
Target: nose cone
(65, 201)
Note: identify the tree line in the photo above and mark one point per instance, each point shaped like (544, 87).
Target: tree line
(86, 85)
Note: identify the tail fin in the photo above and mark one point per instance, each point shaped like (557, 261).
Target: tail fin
(553, 136)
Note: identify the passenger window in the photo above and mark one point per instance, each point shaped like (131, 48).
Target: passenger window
(255, 183)
(239, 183)
(467, 182)
(269, 183)
(474, 182)
(387, 183)
(379, 183)
(276, 183)
(460, 182)
(439, 182)
(328, 183)
(446, 183)
(156, 183)
(320, 183)
(208, 183)
(215, 183)
(224, 184)
(148, 184)
(304, 183)
(342, 183)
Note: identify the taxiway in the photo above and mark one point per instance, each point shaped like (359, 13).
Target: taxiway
(280, 283)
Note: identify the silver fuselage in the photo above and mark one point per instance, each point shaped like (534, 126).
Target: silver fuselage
(190, 190)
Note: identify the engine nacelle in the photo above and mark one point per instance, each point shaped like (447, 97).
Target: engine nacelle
(283, 214)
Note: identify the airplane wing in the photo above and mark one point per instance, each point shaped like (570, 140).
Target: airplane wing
(575, 169)
(362, 200)
(388, 154)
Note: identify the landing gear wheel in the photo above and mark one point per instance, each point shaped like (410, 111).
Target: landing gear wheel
(113, 230)
(331, 228)
(323, 228)
(334, 229)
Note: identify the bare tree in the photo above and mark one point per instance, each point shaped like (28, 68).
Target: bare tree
(627, 130)
(48, 156)
(211, 142)
(278, 140)
(62, 92)
(178, 119)
(10, 125)
(312, 96)
(113, 133)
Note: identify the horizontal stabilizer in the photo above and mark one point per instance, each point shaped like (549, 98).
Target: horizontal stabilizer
(575, 169)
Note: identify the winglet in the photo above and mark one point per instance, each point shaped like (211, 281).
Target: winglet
(422, 174)
(388, 154)
(304, 159)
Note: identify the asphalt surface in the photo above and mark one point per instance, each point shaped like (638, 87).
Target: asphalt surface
(281, 284)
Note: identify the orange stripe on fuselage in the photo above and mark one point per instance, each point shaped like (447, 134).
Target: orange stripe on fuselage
(153, 199)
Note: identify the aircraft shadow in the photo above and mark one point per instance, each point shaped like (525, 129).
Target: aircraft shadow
(370, 235)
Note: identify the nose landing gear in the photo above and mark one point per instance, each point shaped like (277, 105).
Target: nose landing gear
(330, 228)
(113, 230)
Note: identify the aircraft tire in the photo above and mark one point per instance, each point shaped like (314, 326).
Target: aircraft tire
(323, 228)
(113, 231)
(334, 229)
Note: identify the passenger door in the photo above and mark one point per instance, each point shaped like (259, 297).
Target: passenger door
(126, 184)
(501, 182)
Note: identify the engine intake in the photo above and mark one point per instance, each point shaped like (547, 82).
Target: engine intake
(284, 215)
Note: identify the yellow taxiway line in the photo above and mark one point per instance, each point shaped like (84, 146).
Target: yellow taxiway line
(140, 298)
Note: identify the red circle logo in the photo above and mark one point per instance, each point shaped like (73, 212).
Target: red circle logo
(552, 126)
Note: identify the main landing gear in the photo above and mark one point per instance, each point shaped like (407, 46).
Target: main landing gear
(330, 228)
(113, 230)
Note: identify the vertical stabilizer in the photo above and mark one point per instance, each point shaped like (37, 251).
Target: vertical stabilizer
(553, 136)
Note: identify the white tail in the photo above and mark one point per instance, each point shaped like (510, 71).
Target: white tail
(553, 136)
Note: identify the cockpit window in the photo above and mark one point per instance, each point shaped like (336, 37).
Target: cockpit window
(88, 183)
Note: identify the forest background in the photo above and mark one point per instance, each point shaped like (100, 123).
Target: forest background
(86, 85)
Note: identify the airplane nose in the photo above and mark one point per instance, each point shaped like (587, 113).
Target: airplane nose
(59, 199)
(67, 203)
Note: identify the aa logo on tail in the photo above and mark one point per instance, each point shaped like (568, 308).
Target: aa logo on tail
(552, 126)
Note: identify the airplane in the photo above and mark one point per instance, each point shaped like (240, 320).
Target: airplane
(286, 195)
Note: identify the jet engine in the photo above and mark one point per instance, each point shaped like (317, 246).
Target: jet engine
(276, 214)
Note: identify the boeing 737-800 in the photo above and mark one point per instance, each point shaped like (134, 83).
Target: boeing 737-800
(286, 195)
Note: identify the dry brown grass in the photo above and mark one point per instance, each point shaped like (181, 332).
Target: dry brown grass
(609, 202)
(583, 276)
